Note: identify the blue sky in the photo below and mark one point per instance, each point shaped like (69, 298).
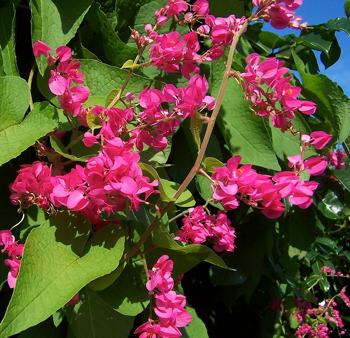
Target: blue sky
(319, 11)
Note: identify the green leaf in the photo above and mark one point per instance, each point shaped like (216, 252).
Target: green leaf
(196, 328)
(156, 158)
(196, 125)
(343, 177)
(7, 37)
(204, 188)
(169, 188)
(58, 261)
(330, 206)
(128, 295)
(333, 105)
(14, 100)
(45, 329)
(15, 139)
(100, 38)
(340, 24)
(146, 14)
(320, 40)
(286, 144)
(347, 7)
(92, 317)
(102, 78)
(58, 147)
(244, 133)
(333, 55)
(55, 22)
(210, 163)
(187, 256)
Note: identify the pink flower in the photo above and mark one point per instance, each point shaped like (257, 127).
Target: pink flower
(64, 53)
(316, 165)
(14, 265)
(222, 234)
(57, 83)
(6, 239)
(195, 227)
(199, 227)
(170, 309)
(268, 88)
(32, 186)
(201, 7)
(336, 159)
(154, 330)
(160, 275)
(320, 139)
(40, 48)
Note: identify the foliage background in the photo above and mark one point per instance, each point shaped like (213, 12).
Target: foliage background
(275, 260)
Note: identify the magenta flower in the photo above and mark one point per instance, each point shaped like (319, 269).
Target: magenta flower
(40, 48)
(319, 139)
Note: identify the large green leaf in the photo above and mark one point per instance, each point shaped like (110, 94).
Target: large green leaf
(286, 144)
(7, 37)
(100, 38)
(186, 256)
(318, 39)
(128, 295)
(56, 21)
(340, 24)
(15, 139)
(196, 328)
(92, 318)
(58, 261)
(102, 78)
(333, 104)
(14, 100)
(343, 177)
(245, 133)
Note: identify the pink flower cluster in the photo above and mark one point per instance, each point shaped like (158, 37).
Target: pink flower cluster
(173, 53)
(336, 159)
(271, 93)
(314, 321)
(14, 252)
(64, 77)
(111, 181)
(235, 183)
(156, 123)
(333, 273)
(280, 13)
(199, 227)
(32, 186)
(169, 306)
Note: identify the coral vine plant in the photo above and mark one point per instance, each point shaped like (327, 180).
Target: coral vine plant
(184, 147)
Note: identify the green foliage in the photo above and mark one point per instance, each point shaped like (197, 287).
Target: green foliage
(14, 100)
(250, 138)
(7, 38)
(59, 259)
(18, 137)
(65, 255)
(92, 317)
(56, 22)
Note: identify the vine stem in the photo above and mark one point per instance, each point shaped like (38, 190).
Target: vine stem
(213, 117)
(203, 148)
(30, 81)
(128, 78)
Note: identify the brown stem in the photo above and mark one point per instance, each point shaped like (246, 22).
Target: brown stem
(211, 123)
(30, 81)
